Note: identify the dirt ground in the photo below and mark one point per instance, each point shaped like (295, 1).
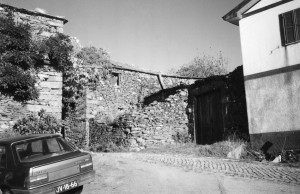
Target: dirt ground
(122, 173)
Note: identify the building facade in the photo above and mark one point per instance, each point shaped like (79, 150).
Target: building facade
(270, 41)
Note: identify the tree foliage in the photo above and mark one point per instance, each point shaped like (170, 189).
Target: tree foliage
(22, 55)
(16, 82)
(16, 60)
(57, 49)
(16, 45)
(96, 61)
(93, 56)
(204, 66)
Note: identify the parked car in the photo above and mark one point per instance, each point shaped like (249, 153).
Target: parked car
(43, 164)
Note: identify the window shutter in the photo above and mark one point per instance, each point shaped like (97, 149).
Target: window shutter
(289, 27)
(282, 29)
(297, 23)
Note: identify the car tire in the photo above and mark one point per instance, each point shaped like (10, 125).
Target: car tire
(7, 191)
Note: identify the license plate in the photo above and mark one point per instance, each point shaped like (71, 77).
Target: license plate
(66, 187)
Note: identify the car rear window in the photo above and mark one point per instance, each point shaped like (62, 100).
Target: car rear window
(42, 149)
(2, 157)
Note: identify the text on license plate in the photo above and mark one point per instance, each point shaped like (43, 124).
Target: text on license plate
(65, 187)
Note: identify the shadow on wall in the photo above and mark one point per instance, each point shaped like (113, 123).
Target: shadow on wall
(162, 95)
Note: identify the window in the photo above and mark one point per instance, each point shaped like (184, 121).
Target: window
(290, 27)
(53, 145)
(115, 78)
(42, 149)
(2, 157)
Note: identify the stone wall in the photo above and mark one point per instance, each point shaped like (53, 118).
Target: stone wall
(159, 122)
(50, 99)
(49, 81)
(156, 114)
(42, 24)
(125, 90)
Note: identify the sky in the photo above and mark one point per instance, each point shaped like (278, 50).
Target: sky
(155, 35)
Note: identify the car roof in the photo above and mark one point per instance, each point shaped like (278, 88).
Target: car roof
(26, 137)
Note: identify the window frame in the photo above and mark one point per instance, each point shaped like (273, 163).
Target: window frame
(63, 144)
(5, 149)
(117, 75)
(283, 28)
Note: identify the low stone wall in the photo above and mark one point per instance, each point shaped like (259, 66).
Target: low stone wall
(160, 122)
(50, 99)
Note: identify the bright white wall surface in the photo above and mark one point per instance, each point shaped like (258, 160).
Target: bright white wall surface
(261, 41)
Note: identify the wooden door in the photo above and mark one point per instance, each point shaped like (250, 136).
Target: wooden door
(208, 118)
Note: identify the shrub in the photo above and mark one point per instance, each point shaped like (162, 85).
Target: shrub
(181, 136)
(77, 139)
(106, 138)
(43, 123)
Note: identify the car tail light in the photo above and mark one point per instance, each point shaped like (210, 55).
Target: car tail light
(87, 165)
(36, 180)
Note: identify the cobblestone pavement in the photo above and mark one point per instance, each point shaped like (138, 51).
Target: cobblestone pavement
(255, 170)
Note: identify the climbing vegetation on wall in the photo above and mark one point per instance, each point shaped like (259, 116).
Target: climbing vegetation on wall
(21, 57)
(91, 65)
(16, 59)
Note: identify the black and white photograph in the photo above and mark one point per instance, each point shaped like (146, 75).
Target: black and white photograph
(150, 96)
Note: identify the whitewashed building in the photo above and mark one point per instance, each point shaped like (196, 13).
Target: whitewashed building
(270, 41)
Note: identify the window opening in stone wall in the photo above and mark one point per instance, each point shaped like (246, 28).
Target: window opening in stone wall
(290, 27)
(115, 78)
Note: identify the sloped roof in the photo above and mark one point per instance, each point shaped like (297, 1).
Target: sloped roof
(235, 15)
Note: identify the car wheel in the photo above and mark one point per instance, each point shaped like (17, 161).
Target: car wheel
(7, 191)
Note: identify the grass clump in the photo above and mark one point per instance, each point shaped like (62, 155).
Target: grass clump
(218, 149)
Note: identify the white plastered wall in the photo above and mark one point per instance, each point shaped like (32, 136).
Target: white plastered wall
(261, 41)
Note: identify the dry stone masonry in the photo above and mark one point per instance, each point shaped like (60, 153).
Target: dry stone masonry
(50, 99)
(49, 81)
(42, 24)
(159, 122)
(152, 115)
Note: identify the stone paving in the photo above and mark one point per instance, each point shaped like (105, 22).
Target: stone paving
(270, 172)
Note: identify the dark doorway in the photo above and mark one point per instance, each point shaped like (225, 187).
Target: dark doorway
(208, 117)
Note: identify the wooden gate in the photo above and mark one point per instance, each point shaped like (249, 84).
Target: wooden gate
(208, 117)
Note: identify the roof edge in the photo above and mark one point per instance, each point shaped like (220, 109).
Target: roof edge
(236, 14)
(22, 10)
(151, 72)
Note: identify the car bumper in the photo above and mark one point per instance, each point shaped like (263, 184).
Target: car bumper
(50, 188)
